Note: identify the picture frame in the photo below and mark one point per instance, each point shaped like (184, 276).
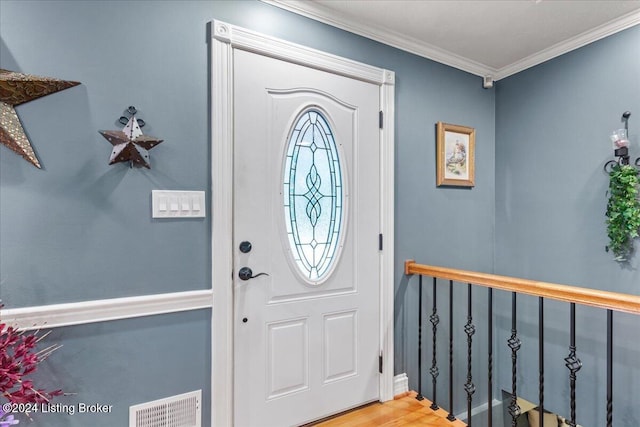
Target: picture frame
(455, 155)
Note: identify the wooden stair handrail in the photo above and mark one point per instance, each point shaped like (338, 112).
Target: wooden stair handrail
(592, 297)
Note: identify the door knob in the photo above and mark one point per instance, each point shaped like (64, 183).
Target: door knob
(246, 273)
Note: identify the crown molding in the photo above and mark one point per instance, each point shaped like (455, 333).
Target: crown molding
(619, 24)
(316, 12)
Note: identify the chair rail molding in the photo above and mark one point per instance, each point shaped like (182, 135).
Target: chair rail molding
(105, 310)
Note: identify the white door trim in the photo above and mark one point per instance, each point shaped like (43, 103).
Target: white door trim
(224, 39)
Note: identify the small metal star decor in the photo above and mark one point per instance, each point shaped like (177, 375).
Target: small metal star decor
(15, 89)
(129, 144)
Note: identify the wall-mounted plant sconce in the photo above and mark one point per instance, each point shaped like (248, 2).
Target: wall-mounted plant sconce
(620, 140)
(623, 206)
(129, 144)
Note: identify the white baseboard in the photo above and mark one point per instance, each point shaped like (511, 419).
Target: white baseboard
(400, 384)
(78, 313)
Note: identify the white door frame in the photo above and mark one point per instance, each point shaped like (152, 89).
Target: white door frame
(224, 39)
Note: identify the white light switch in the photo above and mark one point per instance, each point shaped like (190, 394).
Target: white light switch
(177, 204)
(186, 206)
(162, 203)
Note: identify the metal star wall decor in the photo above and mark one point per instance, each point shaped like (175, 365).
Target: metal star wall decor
(15, 89)
(129, 144)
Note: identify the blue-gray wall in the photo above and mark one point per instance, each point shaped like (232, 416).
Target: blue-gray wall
(81, 230)
(452, 227)
(552, 139)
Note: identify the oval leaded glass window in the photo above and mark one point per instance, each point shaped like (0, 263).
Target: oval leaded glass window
(313, 195)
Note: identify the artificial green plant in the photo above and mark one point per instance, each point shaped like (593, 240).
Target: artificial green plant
(623, 210)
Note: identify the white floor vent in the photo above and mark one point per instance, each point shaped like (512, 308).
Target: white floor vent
(183, 410)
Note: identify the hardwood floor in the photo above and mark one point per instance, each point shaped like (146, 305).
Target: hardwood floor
(402, 411)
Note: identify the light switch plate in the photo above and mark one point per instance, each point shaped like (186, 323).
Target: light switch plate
(177, 204)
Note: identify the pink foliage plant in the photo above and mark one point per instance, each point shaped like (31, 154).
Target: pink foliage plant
(19, 358)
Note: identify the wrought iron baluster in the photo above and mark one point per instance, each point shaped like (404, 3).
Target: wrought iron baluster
(572, 363)
(435, 319)
(609, 368)
(451, 417)
(490, 358)
(541, 358)
(420, 396)
(514, 343)
(469, 329)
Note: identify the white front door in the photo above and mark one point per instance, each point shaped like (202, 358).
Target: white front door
(307, 212)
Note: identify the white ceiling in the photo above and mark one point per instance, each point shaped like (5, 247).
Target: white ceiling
(494, 38)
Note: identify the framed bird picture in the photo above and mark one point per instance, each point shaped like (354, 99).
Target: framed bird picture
(455, 155)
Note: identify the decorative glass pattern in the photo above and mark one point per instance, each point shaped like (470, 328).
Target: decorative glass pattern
(313, 195)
